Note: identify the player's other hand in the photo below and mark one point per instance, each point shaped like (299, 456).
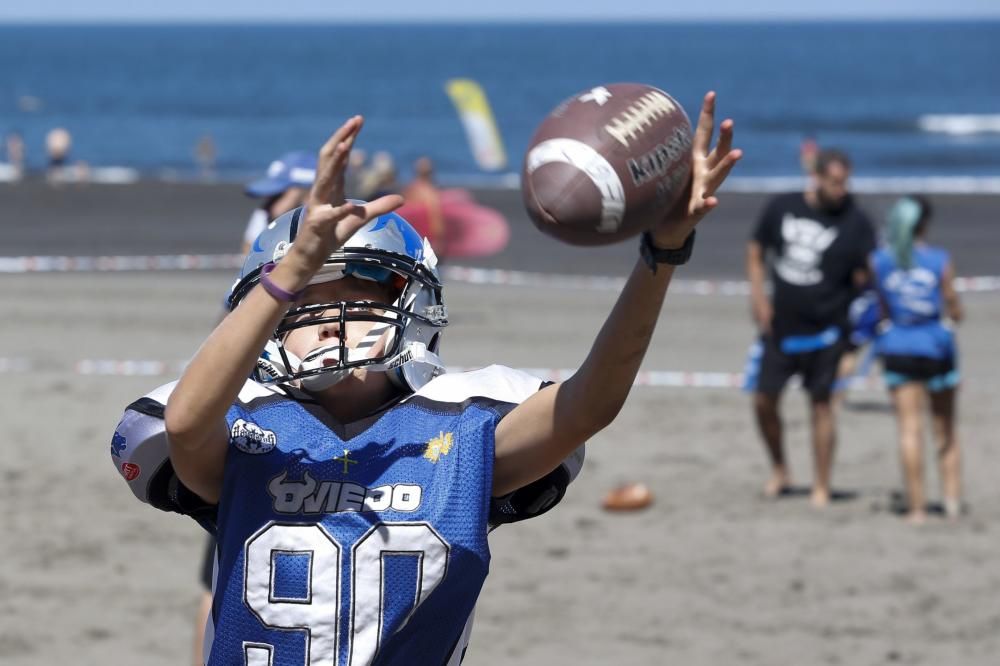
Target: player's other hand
(709, 169)
(763, 315)
(330, 219)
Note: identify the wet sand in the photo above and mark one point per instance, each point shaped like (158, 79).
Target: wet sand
(170, 218)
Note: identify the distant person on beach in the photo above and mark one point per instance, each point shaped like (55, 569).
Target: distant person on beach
(356, 169)
(917, 348)
(422, 190)
(457, 225)
(14, 149)
(283, 188)
(856, 361)
(58, 143)
(205, 155)
(816, 245)
(808, 152)
(205, 574)
(863, 310)
(57, 146)
(380, 177)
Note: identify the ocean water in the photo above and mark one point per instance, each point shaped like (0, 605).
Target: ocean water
(904, 99)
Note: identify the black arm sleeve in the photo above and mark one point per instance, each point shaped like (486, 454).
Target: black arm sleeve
(530, 501)
(539, 496)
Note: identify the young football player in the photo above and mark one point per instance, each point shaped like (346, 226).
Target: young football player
(350, 483)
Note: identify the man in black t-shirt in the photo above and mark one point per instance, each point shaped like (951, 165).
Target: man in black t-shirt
(816, 244)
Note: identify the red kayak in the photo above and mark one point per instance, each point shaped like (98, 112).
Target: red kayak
(471, 230)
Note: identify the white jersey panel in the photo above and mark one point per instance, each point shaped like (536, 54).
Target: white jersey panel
(495, 382)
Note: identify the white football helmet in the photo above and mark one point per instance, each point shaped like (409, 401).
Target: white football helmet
(388, 250)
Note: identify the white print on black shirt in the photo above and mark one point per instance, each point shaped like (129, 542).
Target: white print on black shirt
(805, 242)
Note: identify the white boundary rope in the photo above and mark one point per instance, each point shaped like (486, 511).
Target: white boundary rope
(468, 275)
(153, 368)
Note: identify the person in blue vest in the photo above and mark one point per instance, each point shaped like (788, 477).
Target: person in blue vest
(350, 482)
(284, 187)
(916, 344)
(816, 245)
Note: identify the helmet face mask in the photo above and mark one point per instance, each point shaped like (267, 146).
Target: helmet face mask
(403, 336)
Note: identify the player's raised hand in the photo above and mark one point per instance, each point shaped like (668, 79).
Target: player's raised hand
(709, 169)
(330, 219)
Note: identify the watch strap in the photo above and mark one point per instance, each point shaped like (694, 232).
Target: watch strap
(653, 255)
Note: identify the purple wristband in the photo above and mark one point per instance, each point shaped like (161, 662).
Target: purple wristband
(275, 290)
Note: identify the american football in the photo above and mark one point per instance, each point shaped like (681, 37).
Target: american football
(606, 162)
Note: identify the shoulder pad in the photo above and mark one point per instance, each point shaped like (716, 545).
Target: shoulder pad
(495, 382)
(140, 453)
(139, 446)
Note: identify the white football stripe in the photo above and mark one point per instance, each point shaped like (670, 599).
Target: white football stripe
(595, 166)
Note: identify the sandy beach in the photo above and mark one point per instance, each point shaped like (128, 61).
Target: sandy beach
(710, 575)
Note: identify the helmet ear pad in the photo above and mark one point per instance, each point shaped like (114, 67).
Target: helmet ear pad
(413, 375)
(424, 365)
(270, 364)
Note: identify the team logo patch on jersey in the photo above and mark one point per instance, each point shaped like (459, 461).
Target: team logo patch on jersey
(131, 471)
(251, 438)
(118, 445)
(439, 446)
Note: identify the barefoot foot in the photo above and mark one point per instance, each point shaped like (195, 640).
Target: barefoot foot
(952, 508)
(820, 498)
(777, 485)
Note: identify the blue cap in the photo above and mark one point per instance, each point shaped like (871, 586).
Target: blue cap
(295, 169)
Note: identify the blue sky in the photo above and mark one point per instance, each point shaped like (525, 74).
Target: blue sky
(408, 10)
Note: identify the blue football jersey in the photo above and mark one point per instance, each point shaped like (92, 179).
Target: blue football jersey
(914, 300)
(364, 544)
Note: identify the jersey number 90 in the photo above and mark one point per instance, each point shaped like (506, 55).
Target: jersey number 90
(317, 612)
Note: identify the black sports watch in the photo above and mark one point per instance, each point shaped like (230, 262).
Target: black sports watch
(653, 255)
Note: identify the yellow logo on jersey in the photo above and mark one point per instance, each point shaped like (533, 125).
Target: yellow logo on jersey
(439, 446)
